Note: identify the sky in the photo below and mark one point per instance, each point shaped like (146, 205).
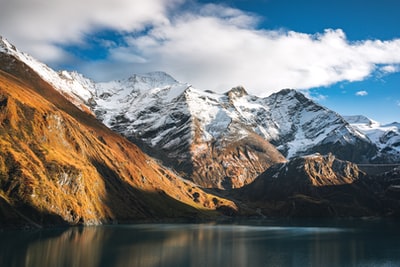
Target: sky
(344, 54)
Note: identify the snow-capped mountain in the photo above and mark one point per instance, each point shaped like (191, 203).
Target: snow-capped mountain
(293, 123)
(198, 133)
(193, 130)
(386, 137)
(302, 127)
(151, 110)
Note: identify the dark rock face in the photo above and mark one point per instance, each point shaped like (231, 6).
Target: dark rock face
(318, 186)
(389, 188)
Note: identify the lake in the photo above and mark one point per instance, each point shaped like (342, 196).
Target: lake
(249, 243)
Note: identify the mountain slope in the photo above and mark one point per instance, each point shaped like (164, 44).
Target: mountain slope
(61, 165)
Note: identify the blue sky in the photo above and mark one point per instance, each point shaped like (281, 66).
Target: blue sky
(376, 96)
(344, 54)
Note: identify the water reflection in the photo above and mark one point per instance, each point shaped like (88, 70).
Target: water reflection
(203, 245)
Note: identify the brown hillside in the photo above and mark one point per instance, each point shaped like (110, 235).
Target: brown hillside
(59, 164)
(231, 162)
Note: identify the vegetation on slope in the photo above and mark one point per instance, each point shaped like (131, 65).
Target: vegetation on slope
(60, 165)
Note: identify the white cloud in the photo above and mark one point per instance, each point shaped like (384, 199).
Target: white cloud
(216, 47)
(389, 68)
(362, 93)
(212, 54)
(35, 25)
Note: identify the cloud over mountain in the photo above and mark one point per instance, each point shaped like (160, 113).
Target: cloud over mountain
(213, 46)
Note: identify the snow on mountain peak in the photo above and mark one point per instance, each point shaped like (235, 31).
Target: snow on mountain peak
(288, 119)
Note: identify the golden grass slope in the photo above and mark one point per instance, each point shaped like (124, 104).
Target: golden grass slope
(59, 164)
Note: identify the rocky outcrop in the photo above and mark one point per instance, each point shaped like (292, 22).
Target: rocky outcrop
(231, 163)
(316, 186)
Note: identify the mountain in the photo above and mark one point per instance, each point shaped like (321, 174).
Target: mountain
(317, 186)
(304, 127)
(223, 140)
(60, 165)
(293, 123)
(386, 137)
(200, 134)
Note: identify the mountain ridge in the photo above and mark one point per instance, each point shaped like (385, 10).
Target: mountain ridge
(72, 85)
(288, 128)
(97, 97)
(189, 130)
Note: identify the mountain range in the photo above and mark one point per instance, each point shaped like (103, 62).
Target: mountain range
(60, 165)
(81, 152)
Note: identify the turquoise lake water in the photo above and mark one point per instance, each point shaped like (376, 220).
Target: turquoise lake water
(250, 243)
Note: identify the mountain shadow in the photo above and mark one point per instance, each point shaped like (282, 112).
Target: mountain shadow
(128, 204)
(23, 215)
